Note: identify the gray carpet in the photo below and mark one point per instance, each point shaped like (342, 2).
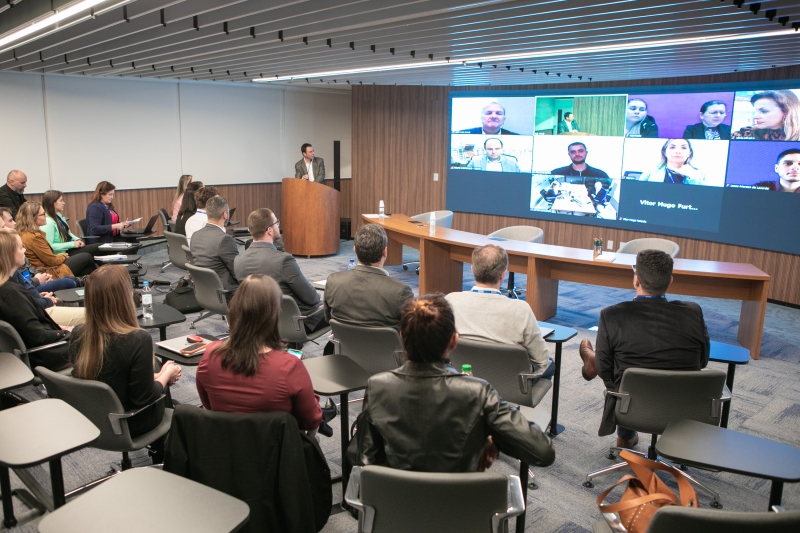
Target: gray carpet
(766, 402)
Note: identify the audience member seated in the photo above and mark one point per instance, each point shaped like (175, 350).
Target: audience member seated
(649, 332)
(188, 206)
(484, 313)
(200, 218)
(250, 372)
(366, 296)
(112, 348)
(11, 193)
(184, 180)
(428, 417)
(101, 219)
(57, 232)
(262, 257)
(38, 251)
(213, 248)
(19, 308)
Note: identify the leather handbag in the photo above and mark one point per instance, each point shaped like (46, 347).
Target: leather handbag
(644, 495)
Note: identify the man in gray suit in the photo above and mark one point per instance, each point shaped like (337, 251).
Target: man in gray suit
(310, 168)
(367, 296)
(213, 248)
(262, 257)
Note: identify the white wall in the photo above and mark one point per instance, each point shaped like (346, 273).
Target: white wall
(69, 132)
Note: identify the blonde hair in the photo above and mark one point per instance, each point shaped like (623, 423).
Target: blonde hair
(8, 247)
(109, 312)
(26, 217)
(184, 180)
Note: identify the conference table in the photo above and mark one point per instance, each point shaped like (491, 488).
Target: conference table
(443, 252)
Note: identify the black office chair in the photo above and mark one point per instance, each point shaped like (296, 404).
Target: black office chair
(83, 227)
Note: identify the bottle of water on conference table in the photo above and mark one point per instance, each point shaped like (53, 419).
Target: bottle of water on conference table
(381, 210)
(432, 222)
(147, 301)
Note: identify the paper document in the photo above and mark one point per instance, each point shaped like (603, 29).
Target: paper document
(546, 331)
(115, 257)
(319, 284)
(135, 221)
(115, 245)
(607, 257)
(371, 216)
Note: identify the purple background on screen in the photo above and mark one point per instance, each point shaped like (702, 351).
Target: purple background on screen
(673, 112)
(752, 161)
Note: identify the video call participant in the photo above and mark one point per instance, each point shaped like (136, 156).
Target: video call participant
(577, 153)
(776, 117)
(493, 116)
(598, 195)
(310, 168)
(493, 159)
(710, 126)
(676, 165)
(569, 124)
(787, 167)
(637, 122)
(11, 193)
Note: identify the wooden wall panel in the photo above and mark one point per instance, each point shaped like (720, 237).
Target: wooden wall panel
(400, 140)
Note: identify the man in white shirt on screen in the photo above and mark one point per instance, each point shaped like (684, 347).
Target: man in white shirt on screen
(493, 160)
(310, 168)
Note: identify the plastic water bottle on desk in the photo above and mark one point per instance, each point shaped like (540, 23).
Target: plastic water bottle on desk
(381, 210)
(466, 369)
(351, 265)
(432, 222)
(147, 301)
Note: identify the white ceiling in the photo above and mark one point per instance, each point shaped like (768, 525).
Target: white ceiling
(238, 40)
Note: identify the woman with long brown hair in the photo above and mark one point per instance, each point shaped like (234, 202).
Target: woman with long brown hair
(112, 348)
(183, 182)
(250, 372)
(102, 219)
(30, 217)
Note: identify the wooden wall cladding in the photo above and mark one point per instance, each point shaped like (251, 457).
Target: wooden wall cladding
(400, 141)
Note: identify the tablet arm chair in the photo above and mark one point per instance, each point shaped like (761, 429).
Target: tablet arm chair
(444, 219)
(292, 323)
(11, 342)
(648, 400)
(395, 501)
(637, 245)
(373, 349)
(209, 292)
(517, 233)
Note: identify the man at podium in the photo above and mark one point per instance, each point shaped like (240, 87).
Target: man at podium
(310, 168)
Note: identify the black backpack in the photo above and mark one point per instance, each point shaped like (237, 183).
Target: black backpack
(182, 298)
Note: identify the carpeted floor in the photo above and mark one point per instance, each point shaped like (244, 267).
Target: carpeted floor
(766, 402)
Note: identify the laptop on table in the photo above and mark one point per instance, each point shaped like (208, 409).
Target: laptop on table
(139, 231)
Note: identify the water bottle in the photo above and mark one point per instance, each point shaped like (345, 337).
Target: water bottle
(432, 222)
(381, 210)
(351, 265)
(147, 301)
(466, 370)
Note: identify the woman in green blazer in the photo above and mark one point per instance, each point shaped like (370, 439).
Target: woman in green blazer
(57, 231)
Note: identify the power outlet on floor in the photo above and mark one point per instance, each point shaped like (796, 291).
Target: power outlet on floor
(435, 176)
(609, 245)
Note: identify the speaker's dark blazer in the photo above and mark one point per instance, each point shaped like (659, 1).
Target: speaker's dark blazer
(698, 131)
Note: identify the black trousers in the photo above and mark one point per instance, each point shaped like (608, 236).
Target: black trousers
(91, 249)
(81, 264)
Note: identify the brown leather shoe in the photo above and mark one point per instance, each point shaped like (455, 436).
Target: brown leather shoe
(622, 443)
(588, 370)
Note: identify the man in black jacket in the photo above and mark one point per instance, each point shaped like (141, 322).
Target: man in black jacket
(649, 332)
(11, 193)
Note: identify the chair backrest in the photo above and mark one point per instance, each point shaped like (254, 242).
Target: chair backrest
(164, 216)
(9, 338)
(657, 397)
(422, 502)
(83, 227)
(499, 364)
(444, 219)
(175, 241)
(208, 289)
(93, 399)
(520, 233)
(651, 243)
(374, 349)
(675, 518)
(187, 252)
(291, 326)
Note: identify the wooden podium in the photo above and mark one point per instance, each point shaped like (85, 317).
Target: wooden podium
(310, 218)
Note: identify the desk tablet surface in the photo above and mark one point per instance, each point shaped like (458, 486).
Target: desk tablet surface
(143, 499)
(13, 372)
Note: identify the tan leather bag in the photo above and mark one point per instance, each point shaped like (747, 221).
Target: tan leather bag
(645, 493)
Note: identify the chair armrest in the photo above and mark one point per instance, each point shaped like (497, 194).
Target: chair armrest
(115, 418)
(777, 509)
(299, 325)
(400, 357)
(337, 346)
(516, 505)
(23, 354)
(352, 499)
(625, 399)
(716, 404)
(525, 380)
(221, 295)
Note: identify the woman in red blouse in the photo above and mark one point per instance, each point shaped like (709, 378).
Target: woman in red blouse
(249, 372)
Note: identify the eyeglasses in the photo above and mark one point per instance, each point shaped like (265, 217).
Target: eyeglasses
(40, 215)
(277, 221)
(634, 268)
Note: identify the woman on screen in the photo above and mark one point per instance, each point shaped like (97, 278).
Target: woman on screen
(676, 165)
(637, 122)
(776, 117)
(710, 126)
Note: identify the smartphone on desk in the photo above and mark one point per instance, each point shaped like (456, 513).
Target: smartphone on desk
(194, 348)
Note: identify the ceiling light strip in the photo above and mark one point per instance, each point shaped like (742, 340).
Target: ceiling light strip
(55, 18)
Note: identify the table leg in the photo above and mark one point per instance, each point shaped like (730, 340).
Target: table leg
(523, 479)
(726, 407)
(8, 505)
(542, 290)
(555, 428)
(775, 494)
(394, 252)
(344, 415)
(57, 482)
(751, 318)
(437, 272)
(162, 333)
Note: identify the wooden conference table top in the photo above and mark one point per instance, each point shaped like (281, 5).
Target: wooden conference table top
(443, 251)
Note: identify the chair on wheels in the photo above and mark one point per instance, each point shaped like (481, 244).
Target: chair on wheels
(397, 501)
(83, 227)
(166, 220)
(209, 292)
(444, 219)
(648, 400)
(517, 233)
(177, 257)
(637, 245)
(686, 520)
(292, 323)
(373, 349)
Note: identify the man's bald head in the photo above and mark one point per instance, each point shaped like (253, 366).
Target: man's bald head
(17, 181)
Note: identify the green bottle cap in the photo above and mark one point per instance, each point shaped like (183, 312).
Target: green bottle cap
(466, 368)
